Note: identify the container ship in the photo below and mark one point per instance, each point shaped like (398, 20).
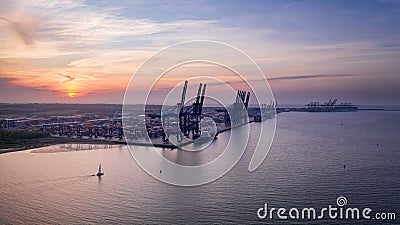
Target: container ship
(330, 106)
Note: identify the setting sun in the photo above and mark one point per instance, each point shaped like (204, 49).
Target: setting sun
(71, 94)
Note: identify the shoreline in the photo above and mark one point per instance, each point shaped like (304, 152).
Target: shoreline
(28, 144)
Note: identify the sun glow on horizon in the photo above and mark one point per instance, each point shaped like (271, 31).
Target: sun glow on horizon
(71, 94)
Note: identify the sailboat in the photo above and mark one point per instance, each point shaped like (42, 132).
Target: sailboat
(100, 173)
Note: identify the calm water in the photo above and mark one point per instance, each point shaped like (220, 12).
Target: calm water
(303, 169)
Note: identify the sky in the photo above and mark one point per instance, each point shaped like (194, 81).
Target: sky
(87, 51)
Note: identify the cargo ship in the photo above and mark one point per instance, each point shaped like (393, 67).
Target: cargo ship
(330, 106)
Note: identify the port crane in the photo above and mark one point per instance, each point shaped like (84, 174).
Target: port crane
(190, 116)
(235, 114)
(185, 119)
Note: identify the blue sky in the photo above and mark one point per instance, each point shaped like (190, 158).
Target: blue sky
(314, 21)
(344, 49)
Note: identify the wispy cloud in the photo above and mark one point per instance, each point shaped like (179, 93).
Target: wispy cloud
(70, 77)
(283, 78)
(311, 77)
(25, 28)
(23, 23)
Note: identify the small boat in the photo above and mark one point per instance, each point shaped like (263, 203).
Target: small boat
(100, 173)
